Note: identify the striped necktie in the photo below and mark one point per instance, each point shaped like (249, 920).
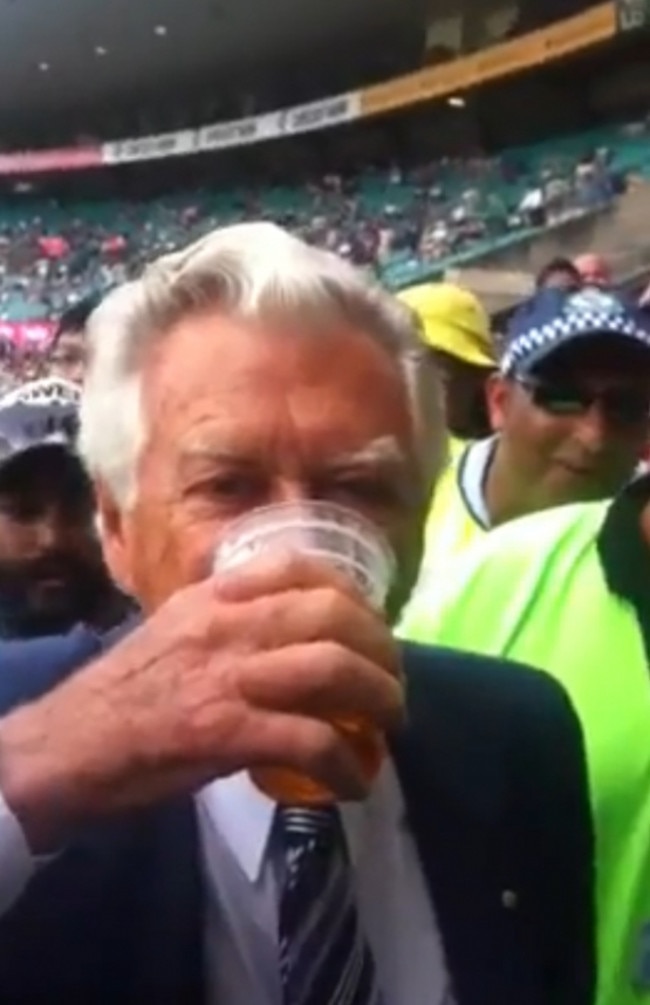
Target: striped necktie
(324, 958)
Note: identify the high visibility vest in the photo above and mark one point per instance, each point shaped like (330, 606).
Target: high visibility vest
(534, 591)
(454, 521)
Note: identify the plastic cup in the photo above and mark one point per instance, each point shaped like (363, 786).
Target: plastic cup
(358, 549)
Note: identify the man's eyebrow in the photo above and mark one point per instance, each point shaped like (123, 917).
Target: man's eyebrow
(383, 451)
(205, 450)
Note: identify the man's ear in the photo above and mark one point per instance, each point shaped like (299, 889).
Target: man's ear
(497, 396)
(114, 536)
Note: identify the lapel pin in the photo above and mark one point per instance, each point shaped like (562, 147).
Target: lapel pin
(509, 899)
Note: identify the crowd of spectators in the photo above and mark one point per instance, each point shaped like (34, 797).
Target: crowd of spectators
(53, 253)
(402, 223)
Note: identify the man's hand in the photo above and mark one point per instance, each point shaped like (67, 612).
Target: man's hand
(240, 671)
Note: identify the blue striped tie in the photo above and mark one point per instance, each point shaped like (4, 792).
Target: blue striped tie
(324, 958)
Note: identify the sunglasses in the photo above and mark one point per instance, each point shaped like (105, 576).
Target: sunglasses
(623, 406)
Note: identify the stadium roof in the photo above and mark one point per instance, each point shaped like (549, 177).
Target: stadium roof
(52, 52)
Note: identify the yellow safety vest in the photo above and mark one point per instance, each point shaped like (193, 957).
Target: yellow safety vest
(454, 521)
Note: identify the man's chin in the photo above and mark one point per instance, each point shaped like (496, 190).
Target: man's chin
(574, 484)
(51, 596)
(55, 603)
(32, 622)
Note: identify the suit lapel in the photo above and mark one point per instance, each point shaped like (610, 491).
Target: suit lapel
(456, 802)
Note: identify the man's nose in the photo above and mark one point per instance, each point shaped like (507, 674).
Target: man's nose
(76, 373)
(291, 491)
(594, 427)
(49, 531)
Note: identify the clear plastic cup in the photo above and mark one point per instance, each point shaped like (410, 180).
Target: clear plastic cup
(357, 548)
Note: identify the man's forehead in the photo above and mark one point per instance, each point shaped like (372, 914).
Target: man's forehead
(216, 350)
(255, 388)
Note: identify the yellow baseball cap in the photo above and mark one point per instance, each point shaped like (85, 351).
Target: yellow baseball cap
(454, 321)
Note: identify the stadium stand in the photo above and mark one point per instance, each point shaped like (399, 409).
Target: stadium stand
(410, 211)
(406, 223)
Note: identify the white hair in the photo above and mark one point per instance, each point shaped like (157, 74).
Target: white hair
(254, 270)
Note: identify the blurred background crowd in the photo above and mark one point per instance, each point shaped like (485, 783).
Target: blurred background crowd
(398, 220)
(404, 222)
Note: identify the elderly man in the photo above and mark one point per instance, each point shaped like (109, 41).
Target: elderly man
(245, 371)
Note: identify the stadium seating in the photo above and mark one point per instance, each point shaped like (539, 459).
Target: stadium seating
(406, 224)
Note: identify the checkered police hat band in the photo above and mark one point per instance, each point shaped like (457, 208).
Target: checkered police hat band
(565, 327)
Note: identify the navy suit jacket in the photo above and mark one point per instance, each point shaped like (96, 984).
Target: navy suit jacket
(493, 775)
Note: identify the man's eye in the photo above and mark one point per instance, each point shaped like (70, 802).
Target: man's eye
(367, 490)
(21, 511)
(234, 486)
(228, 484)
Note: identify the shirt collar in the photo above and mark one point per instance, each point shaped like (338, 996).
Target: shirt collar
(623, 552)
(472, 473)
(243, 816)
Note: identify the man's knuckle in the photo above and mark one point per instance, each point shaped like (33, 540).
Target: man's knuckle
(332, 606)
(322, 746)
(331, 660)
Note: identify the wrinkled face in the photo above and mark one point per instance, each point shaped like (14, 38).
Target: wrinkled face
(241, 415)
(51, 569)
(577, 431)
(68, 357)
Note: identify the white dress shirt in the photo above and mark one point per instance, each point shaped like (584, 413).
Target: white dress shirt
(242, 867)
(242, 870)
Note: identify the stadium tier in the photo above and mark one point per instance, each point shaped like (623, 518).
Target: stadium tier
(406, 224)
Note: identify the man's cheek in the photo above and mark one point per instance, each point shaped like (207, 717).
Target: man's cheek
(181, 560)
(198, 553)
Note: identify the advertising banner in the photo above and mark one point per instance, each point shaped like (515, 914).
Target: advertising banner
(322, 114)
(319, 114)
(145, 148)
(39, 161)
(238, 132)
